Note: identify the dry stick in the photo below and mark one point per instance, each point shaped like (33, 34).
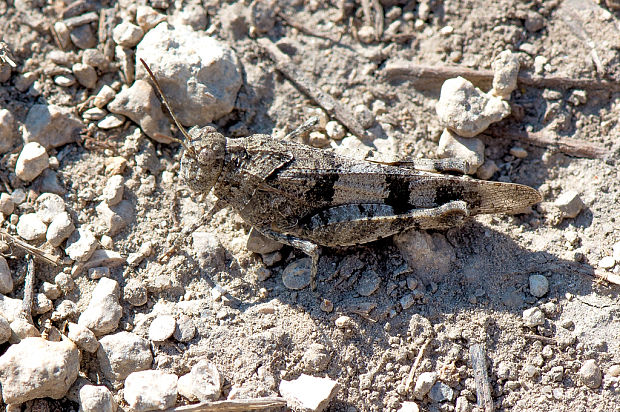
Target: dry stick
(378, 18)
(327, 102)
(38, 253)
(566, 145)
(481, 377)
(303, 29)
(232, 405)
(416, 364)
(540, 338)
(28, 290)
(411, 70)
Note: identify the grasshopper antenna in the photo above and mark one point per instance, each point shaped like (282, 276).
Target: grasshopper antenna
(174, 117)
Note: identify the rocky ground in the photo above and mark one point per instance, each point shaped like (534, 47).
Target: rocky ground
(101, 319)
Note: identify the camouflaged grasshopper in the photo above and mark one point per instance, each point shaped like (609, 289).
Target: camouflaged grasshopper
(307, 197)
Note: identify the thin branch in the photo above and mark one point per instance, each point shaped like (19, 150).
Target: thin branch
(416, 364)
(28, 290)
(407, 70)
(289, 21)
(481, 377)
(566, 145)
(232, 405)
(540, 338)
(36, 252)
(326, 101)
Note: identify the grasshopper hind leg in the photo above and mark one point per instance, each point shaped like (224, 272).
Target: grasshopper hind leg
(309, 248)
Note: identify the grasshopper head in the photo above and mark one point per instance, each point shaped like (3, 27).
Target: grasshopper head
(202, 162)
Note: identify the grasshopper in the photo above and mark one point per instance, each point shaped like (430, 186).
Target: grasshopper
(308, 198)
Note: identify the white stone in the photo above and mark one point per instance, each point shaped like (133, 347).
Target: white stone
(60, 229)
(135, 258)
(103, 312)
(518, 152)
(147, 17)
(81, 245)
(22, 329)
(150, 390)
(424, 383)
(199, 74)
(334, 130)
(469, 149)
(37, 368)
(309, 393)
(85, 75)
(6, 204)
(185, 329)
(533, 317)
(32, 161)
(7, 134)
(104, 96)
(113, 190)
(51, 290)
(123, 353)
(539, 285)
(51, 125)
(506, 70)
(127, 34)
(466, 110)
(409, 407)
(115, 218)
(30, 227)
(83, 337)
(570, 204)
(607, 262)
(101, 257)
(48, 206)
(41, 304)
(96, 399)
(6, 280)
(203, 383)
(64, 282)
(111, 121)
(590, 374)
(366, 34)
(162, 328)
(616, 251)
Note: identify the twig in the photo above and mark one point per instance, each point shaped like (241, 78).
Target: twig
(540, 338)
(326, 101)
(28, 290)
(566, 145)
(232, 405)
(303, 29)
(407, 70)
(606, 277)
(36, 252)
(378, 18)
(416, 364)
(481, 377)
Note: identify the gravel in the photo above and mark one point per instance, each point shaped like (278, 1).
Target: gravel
(202, 383)
(123, 353)
(590, 374)
(31, 162)
(150, 390)
(296, 275)
(309, 393)
(104, 311)
(539, 285)
(96, 399)
(162, 328)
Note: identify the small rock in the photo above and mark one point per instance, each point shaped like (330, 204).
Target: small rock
(334, 130)
(146, 250)
(316, 358)
(539, 285)
(22, 329)
(30, 227)
(368, 283)
(111, 121)
(258, 243)
(556, 374)
(83, 37)
(103, 312)
(64, 80)
(531, 371)
(123, 353)
(407, 301)
(101, 257)
(96, 59)
(135, 292)
(534, 21)
(614, 370)
(104, 96)
(31, 162)
(506, 70)
(466, 110)
(590, 374)
(64, 282)
(96, 399)
(607, 262)
(616, 251)
(441, 392)
(201, 89)
(364, 115)
(48, 206)
(424, 383)
(51, 125)
(533, 317)
(162, 328)
(51, 290)
(85, 75)
(208, 249)
(570, 204)
(64, 310)
(6, 204)
(409, 407)
(309, 393)
(468, 149)
(59, 229)
(5, 330)
(263, 15)
(37, 368)
(430, 254)
(41, 304)
(81, 245)
(366, 34)
(148, 17)
(115, 218)
(7, 134)
(94, 114)
(140, 104)
(98, 272)
(6, 280)
(318, 139)
(113, 190)
(344, 322)
(127, 34)
(48, 182)
(150, 390)
(83, 337)
(185, 329)
(296, 275)
(203, 383)
(518, 152)
(126, 58)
